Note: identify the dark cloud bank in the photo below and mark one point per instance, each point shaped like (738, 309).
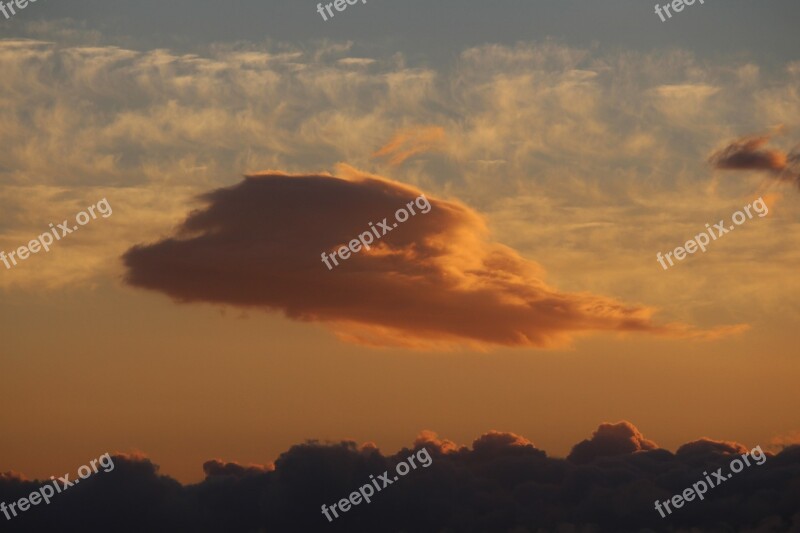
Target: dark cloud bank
(502, 483)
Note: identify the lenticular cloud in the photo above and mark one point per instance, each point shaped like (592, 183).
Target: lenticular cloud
(437, 279)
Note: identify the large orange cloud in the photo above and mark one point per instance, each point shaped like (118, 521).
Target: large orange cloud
(434, 279)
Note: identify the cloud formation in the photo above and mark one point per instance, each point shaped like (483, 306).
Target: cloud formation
(534, 131)
(750, 153)
(436, 278)
(610, 440)
(411, 142)
(502, 483)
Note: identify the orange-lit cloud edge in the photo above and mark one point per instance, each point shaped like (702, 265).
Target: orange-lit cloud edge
(436, 281)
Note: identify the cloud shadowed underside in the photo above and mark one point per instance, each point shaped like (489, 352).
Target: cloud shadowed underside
(750, 153)
(434, 280)
(502, 483)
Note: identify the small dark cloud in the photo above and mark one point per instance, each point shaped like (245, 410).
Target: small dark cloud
(706, 446)
(215, 467)
(751, 153)
(609, 440)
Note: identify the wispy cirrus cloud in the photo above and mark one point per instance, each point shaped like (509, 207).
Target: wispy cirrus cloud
(563, 149)
(412, 141)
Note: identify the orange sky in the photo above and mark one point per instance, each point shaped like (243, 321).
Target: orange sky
(557, 173)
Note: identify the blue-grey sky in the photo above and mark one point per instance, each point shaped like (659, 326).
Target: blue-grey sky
(764, 30)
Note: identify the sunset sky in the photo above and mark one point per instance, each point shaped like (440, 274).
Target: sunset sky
(562, 145)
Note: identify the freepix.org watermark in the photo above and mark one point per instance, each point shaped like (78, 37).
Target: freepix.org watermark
(340, 5)
(676, 5)
(366, 238)
(6, 7)
(58, 486)
(714, 232)
(366, 491)
(56, 232)
(701, 487)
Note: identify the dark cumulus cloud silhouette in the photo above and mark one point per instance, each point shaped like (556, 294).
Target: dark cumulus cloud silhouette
(501, 483)
(751, 153)
(258, 244)
(609, 440)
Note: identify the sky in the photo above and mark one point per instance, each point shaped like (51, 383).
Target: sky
(561, 146)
